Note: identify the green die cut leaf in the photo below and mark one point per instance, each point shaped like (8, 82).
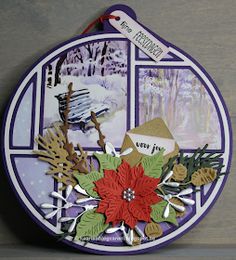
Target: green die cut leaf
(158, 210)
(87, 182)
(91, 225)
(107, 161)
(153, 164)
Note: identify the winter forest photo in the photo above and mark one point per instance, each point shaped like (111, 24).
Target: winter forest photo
(181, 100)
(98, 72)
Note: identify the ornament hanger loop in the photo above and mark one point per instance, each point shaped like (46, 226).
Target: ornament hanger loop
(100, 19)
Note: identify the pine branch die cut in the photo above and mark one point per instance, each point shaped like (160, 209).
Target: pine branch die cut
(54, 154)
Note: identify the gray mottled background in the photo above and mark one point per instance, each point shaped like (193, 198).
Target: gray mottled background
(206, 29)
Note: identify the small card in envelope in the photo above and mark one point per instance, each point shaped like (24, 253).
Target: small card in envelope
(148, 139)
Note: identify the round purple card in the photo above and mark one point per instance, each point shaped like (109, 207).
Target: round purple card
(113, 152)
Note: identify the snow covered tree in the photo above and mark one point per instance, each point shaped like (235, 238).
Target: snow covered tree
(99, 58)
(181, 99)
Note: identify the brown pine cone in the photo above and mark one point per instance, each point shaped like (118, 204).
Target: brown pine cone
(180, 203)
(136, 240)
(179, 172)
(203, 176)
(153, 230)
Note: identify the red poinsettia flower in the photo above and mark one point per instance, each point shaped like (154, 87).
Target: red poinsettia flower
(127, 195)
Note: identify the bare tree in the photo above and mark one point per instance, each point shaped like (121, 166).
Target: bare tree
(58, 68)
(104, 51)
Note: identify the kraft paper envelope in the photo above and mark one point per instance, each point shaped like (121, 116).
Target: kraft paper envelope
(148, 139)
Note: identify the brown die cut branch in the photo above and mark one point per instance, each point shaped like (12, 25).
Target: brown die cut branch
(100, 141)
(60, 153)
(56, 156)
(80, 162)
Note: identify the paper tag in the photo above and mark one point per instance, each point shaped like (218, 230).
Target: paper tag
(150, 145)
(139, 36)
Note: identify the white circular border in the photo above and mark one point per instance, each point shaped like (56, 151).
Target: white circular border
(38, 69)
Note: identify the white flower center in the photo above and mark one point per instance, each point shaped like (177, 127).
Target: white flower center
(128, 194)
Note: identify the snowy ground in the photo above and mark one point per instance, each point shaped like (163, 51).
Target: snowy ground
(113, 128)
(110, 90)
